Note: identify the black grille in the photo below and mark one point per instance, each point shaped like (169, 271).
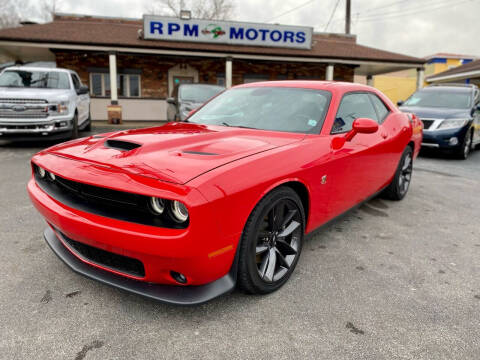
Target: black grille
(101, 201)
(427, 123)
(104, 258)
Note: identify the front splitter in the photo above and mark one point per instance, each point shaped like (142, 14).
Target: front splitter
(178, 295)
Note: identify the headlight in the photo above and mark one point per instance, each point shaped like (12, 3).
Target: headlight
(51, 176)
(452, 123)
(62, 107)
(157, 205)
(41, 172)
(179, 211)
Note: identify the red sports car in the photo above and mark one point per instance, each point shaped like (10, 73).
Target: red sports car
(184, 212)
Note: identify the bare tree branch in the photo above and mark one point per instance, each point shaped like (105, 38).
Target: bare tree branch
(203, 9)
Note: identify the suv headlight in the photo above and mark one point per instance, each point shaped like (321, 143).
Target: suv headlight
(61, 107)
(452, 123)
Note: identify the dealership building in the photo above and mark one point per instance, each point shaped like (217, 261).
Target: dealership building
(136, 62)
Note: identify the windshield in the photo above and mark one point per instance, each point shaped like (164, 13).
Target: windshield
(198, 93)
(267, 108)
(34, 79)
(440, 98)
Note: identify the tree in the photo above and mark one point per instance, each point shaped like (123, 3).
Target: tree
(203, 9)
(12, 12)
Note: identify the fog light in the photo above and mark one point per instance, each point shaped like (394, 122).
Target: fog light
(180, 278)
(51, 176)
(453, 141)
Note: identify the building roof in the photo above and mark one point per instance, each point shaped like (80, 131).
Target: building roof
(471, 69)
(449, 56)
(111, 32)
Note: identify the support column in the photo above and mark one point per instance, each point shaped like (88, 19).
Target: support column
(112, 59)
(369, 80)
(228, 72)
(420, 77)
(329, 72)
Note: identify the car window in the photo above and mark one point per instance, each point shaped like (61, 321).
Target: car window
(382, 110)
(353, 106)
(440, 98)
(76, 82)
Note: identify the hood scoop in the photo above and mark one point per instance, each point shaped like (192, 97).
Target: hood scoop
(121, 145)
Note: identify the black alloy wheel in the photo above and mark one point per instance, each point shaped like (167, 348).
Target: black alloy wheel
(400, 184)
(272, 242)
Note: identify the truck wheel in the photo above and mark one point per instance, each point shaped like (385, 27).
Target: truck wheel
(89, 122)
(75, 127)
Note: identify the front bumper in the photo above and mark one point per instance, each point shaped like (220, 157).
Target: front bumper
(53, 127)
(179, 295)
(442, 139)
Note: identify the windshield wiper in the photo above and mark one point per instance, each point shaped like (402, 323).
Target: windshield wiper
(239, 126)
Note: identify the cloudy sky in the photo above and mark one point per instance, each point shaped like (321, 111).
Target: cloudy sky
(414, 27)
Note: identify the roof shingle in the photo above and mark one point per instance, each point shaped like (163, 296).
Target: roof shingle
(124, 33)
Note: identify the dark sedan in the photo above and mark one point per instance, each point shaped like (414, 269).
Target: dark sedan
(450, 114)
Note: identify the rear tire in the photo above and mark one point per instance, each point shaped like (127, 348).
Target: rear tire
(271, 242)
(398, 188)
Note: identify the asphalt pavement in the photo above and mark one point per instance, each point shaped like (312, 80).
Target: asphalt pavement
(390, 280)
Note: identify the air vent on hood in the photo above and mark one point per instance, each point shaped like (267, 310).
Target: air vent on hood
(198, 153)
(121, 145)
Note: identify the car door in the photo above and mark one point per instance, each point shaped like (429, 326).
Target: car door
(476, 119)
(356, 169)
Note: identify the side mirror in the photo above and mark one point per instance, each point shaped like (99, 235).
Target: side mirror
(83, 89)
(362, 126)
(171, 100)
(400, 102)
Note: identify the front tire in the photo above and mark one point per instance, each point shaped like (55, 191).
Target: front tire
(271, 242)
(398, 188)
(75, 126)
(466, 147)
(89, 122)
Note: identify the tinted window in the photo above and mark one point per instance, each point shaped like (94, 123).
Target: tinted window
(440, 98)
(34, 79)
(267, 108)
(76, 81)
(382, 110)
(353, 106)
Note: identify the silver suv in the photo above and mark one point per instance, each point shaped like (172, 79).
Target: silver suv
(42, 103)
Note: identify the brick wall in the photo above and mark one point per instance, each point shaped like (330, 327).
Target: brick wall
(154, 69)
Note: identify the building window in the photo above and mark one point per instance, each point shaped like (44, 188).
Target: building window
(128, 85)
(221, 79)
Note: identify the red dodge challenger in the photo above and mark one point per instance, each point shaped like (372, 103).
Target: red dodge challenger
(185, 212)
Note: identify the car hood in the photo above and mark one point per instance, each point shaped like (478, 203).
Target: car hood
(436, 113)
(175, 152)
(31, 93)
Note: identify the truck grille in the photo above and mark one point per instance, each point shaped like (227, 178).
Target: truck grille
(23, 108)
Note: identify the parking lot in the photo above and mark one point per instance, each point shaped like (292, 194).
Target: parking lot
(390, 280)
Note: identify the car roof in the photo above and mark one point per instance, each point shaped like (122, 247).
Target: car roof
(38, 68)
(452, 88)
(311, 84)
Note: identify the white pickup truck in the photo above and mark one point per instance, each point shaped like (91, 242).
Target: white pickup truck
(50, 103)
